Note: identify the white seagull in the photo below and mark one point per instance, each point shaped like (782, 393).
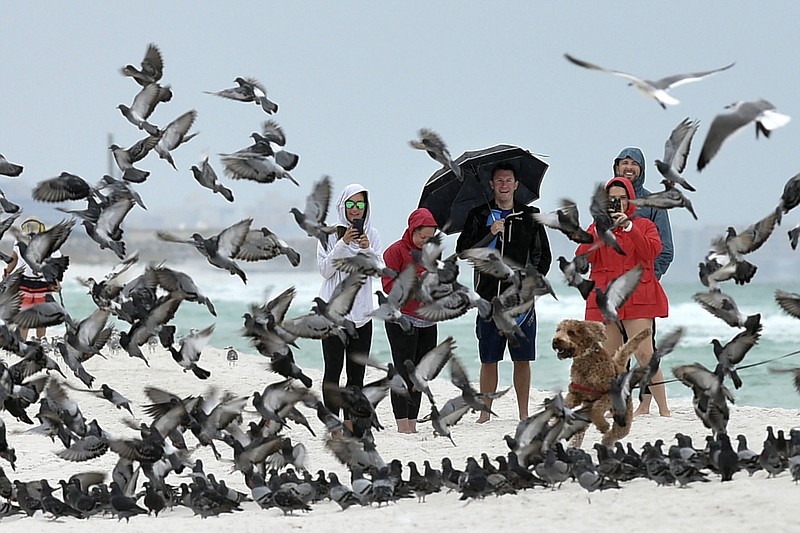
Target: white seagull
(724, 125)
(653, 89)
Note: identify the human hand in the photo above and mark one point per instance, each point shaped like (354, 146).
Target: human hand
(621, 220)
(498, 226)
(350, 234)
(363, 241)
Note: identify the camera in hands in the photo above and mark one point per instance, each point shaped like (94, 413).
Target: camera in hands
(615, 205)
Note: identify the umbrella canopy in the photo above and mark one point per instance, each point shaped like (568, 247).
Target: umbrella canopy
(450, 199)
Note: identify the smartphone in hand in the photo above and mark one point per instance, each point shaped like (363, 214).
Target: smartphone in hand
(358, 223)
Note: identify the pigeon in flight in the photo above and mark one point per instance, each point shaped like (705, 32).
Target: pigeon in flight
(255, 167)
(263, 245)
(175, 134)
(126, 158)
(669, 198)
(790, 198)
(652, 89)
(731, 354)
(437, 149)
(312, 220)
(603, 223)
(144, 103)
(762, 112)
(617, 293)
(205, 176)
(676, 151)
(7, 168)
(152, 67)
(248, 90)
(219, 249)
(565, 220)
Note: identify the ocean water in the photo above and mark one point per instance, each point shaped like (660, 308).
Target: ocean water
(231, 298)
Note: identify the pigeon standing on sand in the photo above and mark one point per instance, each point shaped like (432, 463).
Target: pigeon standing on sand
(657, 89)
(762, 112)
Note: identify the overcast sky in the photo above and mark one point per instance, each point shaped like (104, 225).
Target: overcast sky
(356, 80)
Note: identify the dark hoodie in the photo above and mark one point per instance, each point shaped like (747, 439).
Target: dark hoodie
(398, 255)
(659, 216)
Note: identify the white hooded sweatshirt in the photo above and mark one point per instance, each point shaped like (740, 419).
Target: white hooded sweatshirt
(363, 306)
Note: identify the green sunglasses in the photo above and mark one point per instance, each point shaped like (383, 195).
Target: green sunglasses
(349, 204)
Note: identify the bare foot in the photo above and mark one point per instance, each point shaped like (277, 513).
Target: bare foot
(482, 419)
(640, 412)
(664, 412)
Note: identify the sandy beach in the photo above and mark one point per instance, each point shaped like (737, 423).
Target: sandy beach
(746, 503)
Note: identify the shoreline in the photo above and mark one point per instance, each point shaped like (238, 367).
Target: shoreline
(769, 501)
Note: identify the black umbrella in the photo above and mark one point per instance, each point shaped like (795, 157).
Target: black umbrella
(450, 199)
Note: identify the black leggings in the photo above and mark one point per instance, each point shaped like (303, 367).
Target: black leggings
(333, 352)
(412, 346)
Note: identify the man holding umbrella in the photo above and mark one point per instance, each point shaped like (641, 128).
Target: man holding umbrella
(508, 226)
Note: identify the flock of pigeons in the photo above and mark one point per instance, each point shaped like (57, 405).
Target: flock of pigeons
(272, 466)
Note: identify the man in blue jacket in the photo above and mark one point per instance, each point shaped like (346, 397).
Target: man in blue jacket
(630, 164)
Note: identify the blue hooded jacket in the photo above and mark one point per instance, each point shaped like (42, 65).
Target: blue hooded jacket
(659, 216)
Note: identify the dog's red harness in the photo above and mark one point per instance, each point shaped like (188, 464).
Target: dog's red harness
(590, 390)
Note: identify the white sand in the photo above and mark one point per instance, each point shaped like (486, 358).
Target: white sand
(744, 504)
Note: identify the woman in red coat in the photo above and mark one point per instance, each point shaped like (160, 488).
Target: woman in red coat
(638, 238)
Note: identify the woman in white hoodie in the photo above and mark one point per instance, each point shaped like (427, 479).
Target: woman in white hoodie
(347, 241)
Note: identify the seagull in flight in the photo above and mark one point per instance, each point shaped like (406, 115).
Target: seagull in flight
(652, 89)
(762, 112)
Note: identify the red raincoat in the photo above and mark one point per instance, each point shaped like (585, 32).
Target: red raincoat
(641, 245)
(398, 255)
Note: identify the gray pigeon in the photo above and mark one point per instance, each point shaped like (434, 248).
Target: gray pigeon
(565, 219)
(762, 112)
(175, 134)
(219, 249)
(263, 245)
(152, 67)
(437, 149)
(429, 366)
(732, 353)
(126, 158)
(572, 274)
(617, 293)
(723, 306)
(790, 198)
(676, 151)
(206, 177)
(143, 105)
(389, 306)
(7, 168)
(312, 219)
(669, 198)
(248, 90)
(255, 167)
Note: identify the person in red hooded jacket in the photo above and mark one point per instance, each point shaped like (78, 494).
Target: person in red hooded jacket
(638, 237)
(422, 338)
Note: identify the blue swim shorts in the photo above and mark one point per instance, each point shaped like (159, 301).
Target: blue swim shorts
(492, 345)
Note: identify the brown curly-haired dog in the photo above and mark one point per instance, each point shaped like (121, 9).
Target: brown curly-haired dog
(592, 370)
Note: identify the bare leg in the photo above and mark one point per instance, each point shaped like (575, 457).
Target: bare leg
(402, 425)
(23, 333)
(522, 386)
(643, 354)
(412, 425)
(488, 384)
(660, 393)
(41, 332)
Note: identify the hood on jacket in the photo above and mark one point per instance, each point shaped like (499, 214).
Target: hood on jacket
(350, 190)
(418, 218)
(626, 183)
(637, 155)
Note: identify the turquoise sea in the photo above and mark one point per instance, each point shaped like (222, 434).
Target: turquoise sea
(780, 334)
